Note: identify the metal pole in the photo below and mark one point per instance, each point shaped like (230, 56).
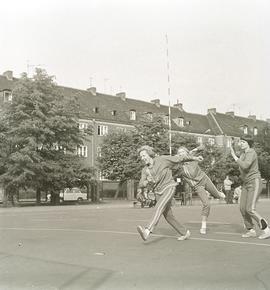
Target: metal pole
(169, 95)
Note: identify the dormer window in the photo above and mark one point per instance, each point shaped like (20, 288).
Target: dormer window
(179, 122)
(132, 115)
(166, 120)
(7, 96)
(255, 131)
(149, 116)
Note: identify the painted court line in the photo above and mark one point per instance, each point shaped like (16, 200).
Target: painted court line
(226, 233)
(132, 233)
(218, 223)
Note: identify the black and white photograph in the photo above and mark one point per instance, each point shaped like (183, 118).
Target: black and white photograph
(135, 145)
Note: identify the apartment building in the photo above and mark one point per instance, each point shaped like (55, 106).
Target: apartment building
(106, 113)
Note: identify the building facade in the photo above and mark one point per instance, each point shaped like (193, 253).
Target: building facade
(106, 113)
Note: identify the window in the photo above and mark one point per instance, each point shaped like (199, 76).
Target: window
(166, 120)
(149, 116)
(122, 129)
(211, 141)
(7, 96)
(255, 131)
(98, 151)
(229, 143)
(132, 115)
(102, 176)
(102, 130)
(83, 126)
(200, 140)
(113, 112)
(82, 151)
(180, 122)
(245, 129)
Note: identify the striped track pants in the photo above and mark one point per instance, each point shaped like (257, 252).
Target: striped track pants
(164, 206)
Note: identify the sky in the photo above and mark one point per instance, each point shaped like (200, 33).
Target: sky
(217, 54)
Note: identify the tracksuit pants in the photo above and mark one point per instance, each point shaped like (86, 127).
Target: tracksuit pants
(200, 189)
(164, 206)
(249, 196)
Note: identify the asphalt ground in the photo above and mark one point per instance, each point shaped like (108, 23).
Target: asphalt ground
(98, 247)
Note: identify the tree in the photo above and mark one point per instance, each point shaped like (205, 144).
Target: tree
(119, 159)
(40, 135)
(262, 147)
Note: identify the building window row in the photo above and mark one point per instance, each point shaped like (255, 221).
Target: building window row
(245, 130)
(7, 96)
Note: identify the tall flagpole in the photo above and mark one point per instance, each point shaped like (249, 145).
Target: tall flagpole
(169, 95)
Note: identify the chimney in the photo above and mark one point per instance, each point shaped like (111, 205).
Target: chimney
(212, 111)
(179, 106)
(9, 75)
(92, 90)
(121, 95)
(252, 117)
(156, 102)
(231, 113)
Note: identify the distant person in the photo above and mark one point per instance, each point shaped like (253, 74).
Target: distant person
(237, 193)
(228, 189)
(158, 172)
(251, 188)
(200, 183)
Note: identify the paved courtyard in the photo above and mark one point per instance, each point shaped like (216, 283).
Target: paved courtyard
(97, 247)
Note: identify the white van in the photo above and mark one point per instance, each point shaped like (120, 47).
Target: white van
(72, 194)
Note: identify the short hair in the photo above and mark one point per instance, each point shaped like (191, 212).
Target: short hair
(183, 148)
(249, 139)
(150, 150)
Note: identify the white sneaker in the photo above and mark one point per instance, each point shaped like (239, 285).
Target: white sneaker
(203, 231)
(265, 234)
(250, 234)
(143, 232)
(184, 237)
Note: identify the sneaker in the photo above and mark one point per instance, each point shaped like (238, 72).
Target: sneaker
(249, 234)
(142, 231)
(203, 231)
(184, 237)
(265, 234)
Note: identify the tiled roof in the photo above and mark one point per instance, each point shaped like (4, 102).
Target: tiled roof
(6, 84)
(194, 123)
(233, 125)
(101, 107)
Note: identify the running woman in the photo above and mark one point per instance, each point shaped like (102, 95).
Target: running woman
(200, 183)
(158, 171)
(251, 188)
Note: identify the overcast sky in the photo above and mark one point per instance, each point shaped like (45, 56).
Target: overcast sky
(219, 50)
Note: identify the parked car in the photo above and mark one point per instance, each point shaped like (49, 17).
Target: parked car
(72, 194)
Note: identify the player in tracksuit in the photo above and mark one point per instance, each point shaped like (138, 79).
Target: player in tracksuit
(158, 172)
(200, 183)
(251, 188)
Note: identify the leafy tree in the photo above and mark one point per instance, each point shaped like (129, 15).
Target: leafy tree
(120, 160)
(262, 147)
(40, 134)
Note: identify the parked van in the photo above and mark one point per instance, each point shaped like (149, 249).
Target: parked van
(72, 194)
